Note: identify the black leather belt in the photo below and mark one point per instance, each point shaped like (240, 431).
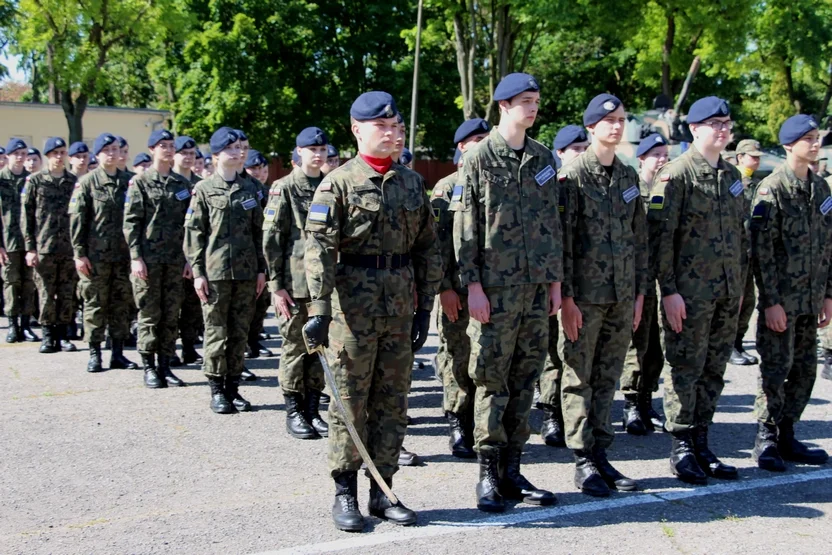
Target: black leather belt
(383, 262)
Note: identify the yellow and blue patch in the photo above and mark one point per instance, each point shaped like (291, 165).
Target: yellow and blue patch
(657, 202)
(270, 214)
(457, 194)
(318, 213)
(189, 214)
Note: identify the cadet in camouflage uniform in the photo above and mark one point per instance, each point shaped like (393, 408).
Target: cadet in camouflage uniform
(284, 245)
(154, 217)
(3, 159)
(454, 351)
(141, 163)
(223, 237)
(34, 161)
(102, 258)
(49, 251)
(123, 156)
(604, 281)
(748, 160)
(18, 284)
(645, 357)
(825, 335)
(507, 241)
(79, 159)
(700, 247)
(791, 245)
(570, 142)
(333, 159)
(199, 163)
(377, 292)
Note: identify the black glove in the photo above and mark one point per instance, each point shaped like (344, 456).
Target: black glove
(419, 332)
(316, 332)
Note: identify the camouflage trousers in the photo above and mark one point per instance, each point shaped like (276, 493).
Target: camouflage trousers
(507, 356)
(825, 335)
(56, 278)
(190, 313)
(550, 378)
(697, 357)
(371, 361)
(227, 315)
(158, 299)
(299, 371)
(261, 307)
(749, 301)
(592, 366)
(108, 301)
(452, 359)
(19, 286)
(788, 367)
(644, 361)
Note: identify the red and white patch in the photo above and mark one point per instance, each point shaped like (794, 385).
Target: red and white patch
(439, 194)
(665, 177)
(275, 193)
(763, 190)
(28, 177)
(562, 178)
(130, 183)
(325, 186)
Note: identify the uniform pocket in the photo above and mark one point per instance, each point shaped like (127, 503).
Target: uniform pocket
(363, 212)
(700, 203)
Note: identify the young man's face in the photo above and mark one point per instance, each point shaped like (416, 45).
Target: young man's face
(199, 165)
(378, 136)
(123, 153)
(33, 163)
(610, 130)
(655, 158)
(331, 163)
(312, 157)
(78, 163)
(17, 160)
(56, 160)
(3, 161)
(522, 109)
(163, 152)
(572, 151)
(260, 173)
(231, 156)
(109, 157)
(244, 147)
(713, 133)
(748, 161)
(471, 141)
(141, 168)
(400, 140)
(806, 148)
(208, 169)
(185, 158)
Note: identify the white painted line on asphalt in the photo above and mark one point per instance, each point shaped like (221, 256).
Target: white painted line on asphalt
(527, 515)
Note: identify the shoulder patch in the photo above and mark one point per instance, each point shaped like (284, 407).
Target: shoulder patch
(665, 177)
(763, 190)
(656, 202)
(318, 213)
(457, 194)
(189, 214)
(438, 193)
(274, 192)
(130, 183)
(325, 186)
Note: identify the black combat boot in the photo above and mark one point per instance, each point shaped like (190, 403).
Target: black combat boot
(94, 364)
(708, 462)
(189, 354)
(552, 428)
(489, 498)
(457, 441)
(296, 423)
(513, 485)
(765, 450)
(62, 340)
(165, 372)
(345, 513)
(175, 361)
(72, 330)
(153, 378)
(739, 356)
(247, 375)
(827, 365)
(220, 404)
(683, 462)
(587, 477)
(14, 335)
(633, 420)
(795, 451)
(232, 392)
(380, 506)
(408, 458)
(48, 344)
(312, 414)
(117, 358)
(26, 329)
(652, 420)
(259, 348)
(613, 478)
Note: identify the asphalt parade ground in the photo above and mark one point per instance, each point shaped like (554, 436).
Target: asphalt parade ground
(96, 463)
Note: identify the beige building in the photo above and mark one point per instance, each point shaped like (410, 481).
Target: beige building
(34, 123)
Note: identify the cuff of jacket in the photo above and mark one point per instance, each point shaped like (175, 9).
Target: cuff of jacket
(319, 307)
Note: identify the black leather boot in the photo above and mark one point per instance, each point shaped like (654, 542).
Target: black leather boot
(153, 378)
(219, 402)
(587, 477)
(652, 420)
(312, 413)
(708, 462)
(62, 341)
(408, 458)
(247, 375)
(94, 364)
(683, 462)
(345, 513)
(26, 329)
(232, 392)
(633, 420)
(613, 478)
(14, 335)
(552, 428)
(765, 450)
(513, 485)
(381, 507)
(117, 358)
(489, 498)
(175, 361)
(793, 450)
(260, 349)
(457, 441)
(296, 423)
(48, 344)
(165, 372)
(72, 330)
(189, 354)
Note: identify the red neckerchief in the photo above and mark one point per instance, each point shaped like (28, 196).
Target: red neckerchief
(381, 165)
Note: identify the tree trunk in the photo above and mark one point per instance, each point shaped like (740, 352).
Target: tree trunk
(74, 114)
(787, 73)
(827, 97)
(54, 93)
(35, 82)
(667, 50)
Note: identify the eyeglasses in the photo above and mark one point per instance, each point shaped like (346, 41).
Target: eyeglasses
(717, 125)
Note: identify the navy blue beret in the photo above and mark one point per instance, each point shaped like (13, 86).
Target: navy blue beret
(331, 151)
(254, 158)
(795, 127)
(373, 105)
(599, 107)
(105, 139)
(122, 142)
(475, 126)
(78, 147)
(568, 135)
(203, 155)
(406, 157)
(183, 142)
(296, 157)
(2, 151)
(241, 134)
(457, 156)
(399, 118)
(158, 136)
(93, 161)
(649, 143)
(33, 152)
(221, 138)
(311, 136)
(141, 158)
(53, 143)
(708, 107)
(14, 145)
(513, 84)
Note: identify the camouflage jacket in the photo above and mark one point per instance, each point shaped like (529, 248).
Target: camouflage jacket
(10, 187)
(46, 213)
(96, 217)
(701, 245)
(506, 224)
(604, 232)
(154, 217)
(644, 187)
(284, 232)
(791, 242)
(358, 211)
(440, 202)
(224, 230)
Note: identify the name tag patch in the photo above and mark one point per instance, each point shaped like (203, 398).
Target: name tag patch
(736, 188)
(319, 213)
(630, 194)
(457, 195)
(545, 175)
(826, 206)
(183, 194)
(248, 204)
